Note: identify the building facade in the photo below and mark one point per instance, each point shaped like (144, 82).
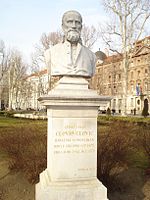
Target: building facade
(109, 79)
(34, 86)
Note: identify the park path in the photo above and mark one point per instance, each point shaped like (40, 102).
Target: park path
(146, 190)
(4, 171)
(13, 185)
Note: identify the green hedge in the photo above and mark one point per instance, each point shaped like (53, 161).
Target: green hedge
(126, 119)
(7, 113)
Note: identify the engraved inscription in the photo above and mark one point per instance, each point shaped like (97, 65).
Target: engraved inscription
(74, 138)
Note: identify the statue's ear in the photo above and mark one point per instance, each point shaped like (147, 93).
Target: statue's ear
(63, 28)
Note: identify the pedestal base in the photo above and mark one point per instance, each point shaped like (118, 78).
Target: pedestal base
(72, 111)
(75, 190)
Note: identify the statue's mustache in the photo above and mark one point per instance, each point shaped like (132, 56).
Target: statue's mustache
(73, 30)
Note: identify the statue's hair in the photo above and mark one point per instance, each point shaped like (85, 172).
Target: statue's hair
(69, 12)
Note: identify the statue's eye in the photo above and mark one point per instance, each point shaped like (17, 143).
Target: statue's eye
(78, 23)
(69, 21)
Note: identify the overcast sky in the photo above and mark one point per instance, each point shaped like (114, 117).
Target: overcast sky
(22, 22)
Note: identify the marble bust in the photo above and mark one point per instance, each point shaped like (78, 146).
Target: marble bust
(70, 58)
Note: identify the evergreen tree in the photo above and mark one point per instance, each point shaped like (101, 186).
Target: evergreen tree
(145, 109)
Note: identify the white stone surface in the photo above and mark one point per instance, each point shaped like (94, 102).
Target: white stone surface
(72, 149)
(70, 57)
(30, 116)
(59, 60)
(72, 143)
(76, 190)
(73, 91)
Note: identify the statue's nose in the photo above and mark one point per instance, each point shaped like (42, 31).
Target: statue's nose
(73, 24)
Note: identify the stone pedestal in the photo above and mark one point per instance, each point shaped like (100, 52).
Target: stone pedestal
(72, 143)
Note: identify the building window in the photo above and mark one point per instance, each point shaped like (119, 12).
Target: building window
(115, 89)
(138, 102)
(145, 86)
(119, 77)
(138, 89)
(114, 104)
(139, 61)
(132, 88)
(138, 73)
(109, 78)
(131, 75)
(104, 89)
(99, 61)
(146, 72)
(114, 77)
(132, 102)
(119, 88)
(132, 63)
(119, 103)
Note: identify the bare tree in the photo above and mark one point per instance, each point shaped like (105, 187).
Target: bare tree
(38, 60)
(128, 19)
(46, 41)
(50, 39)
(17, 74)
(38, 65)
(4, 60)
(89, 36)
(4, 67)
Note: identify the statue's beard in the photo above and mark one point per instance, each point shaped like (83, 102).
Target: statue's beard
(73, 36)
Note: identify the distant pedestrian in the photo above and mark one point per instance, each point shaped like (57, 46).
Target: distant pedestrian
(134, 111)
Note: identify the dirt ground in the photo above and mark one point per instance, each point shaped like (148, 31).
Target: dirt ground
(14, 186)
(136, 186)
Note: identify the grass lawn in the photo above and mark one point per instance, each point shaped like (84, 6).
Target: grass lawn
(15, 122)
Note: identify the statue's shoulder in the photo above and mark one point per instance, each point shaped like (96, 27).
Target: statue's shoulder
(56, 46)
(53, 49)
(89, 52)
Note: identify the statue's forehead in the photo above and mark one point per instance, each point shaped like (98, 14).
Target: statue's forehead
(72, 15)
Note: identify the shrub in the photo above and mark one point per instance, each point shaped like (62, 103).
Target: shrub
(145, 109)
(26, 146)
(108, 112)
(145, 112)
(143, 142)
(113, 148)
(2, 113)
(35, 158)
(7, 113)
